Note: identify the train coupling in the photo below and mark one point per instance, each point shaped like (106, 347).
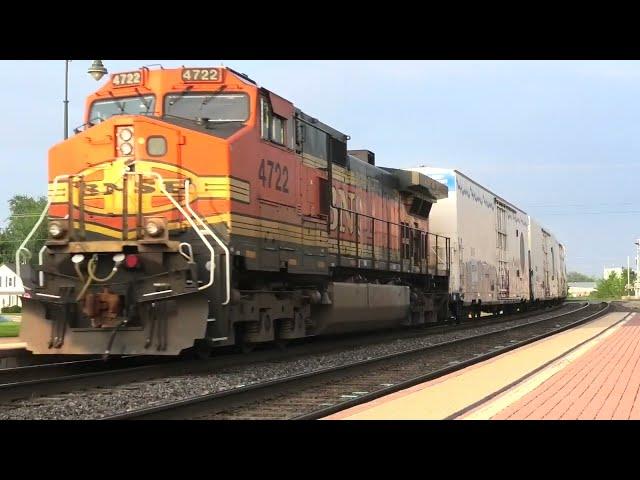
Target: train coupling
(102, 308)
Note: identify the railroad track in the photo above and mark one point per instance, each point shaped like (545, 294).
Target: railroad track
(33, 381)
(43, 379)
(322, 392)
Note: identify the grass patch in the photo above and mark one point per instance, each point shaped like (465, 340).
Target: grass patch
(9, 329)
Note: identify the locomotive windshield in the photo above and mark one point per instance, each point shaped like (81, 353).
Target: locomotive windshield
(103, 109)
(215, 107)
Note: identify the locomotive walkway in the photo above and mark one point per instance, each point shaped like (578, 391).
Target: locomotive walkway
(589, 372)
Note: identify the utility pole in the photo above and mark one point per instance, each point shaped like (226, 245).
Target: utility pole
(628, 287)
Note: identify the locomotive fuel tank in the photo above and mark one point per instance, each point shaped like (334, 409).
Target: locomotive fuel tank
(356, 306)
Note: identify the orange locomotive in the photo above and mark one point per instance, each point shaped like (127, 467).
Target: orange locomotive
(197, 209)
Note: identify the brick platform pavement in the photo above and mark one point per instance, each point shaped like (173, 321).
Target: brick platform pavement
(503, 381)
(602, 384)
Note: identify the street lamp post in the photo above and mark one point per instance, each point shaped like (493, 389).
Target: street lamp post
(66, 99)
(97, 70)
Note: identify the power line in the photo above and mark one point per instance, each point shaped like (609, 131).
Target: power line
(607, 204)
(630, 212)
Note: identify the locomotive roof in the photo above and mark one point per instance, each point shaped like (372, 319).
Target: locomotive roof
(321, 126)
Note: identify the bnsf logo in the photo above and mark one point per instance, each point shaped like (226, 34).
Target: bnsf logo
(104, 185)
(349, 202)
(148, 186)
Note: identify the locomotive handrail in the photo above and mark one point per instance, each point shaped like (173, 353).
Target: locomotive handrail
(440, 265)
(387, 221)
(199, 231)
(40, 262)
(215, 237)
(176, 204)
(38, 223)
(22, 247)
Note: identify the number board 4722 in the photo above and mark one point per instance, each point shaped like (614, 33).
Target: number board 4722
(195, 75)
(274, 175)
(126, 79)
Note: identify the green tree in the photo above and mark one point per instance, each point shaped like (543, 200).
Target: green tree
(614, 286)
(579, 277)
(25, 211)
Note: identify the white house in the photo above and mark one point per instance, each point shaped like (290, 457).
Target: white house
(609, 270)
(581, 289)
(10, 286)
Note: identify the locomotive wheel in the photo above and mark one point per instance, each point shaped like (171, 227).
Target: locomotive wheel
(242, 344)
(199, 351)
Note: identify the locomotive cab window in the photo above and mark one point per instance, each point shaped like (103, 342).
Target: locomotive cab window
(277, 129)
(101, 110)
(214, 107)
(272, 126)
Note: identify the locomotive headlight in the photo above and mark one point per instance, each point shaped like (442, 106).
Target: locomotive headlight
(125, 134)
(126, 149)
(154, 228)
(56, 230)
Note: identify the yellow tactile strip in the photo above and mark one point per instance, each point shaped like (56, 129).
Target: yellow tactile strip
(443, 397)
(12, 345)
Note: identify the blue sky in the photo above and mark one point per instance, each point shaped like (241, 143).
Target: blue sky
(557, 138)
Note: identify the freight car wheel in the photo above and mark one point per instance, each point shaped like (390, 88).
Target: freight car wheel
(201, 351)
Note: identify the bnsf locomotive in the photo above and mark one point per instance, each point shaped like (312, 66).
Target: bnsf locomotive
(195, 209)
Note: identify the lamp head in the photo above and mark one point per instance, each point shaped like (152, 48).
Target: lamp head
(97, 70)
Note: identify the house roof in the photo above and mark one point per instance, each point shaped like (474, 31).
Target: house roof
(10, 266)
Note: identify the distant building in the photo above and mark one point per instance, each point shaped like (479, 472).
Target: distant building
(610, 270)
(11, 288)
(581, 289)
